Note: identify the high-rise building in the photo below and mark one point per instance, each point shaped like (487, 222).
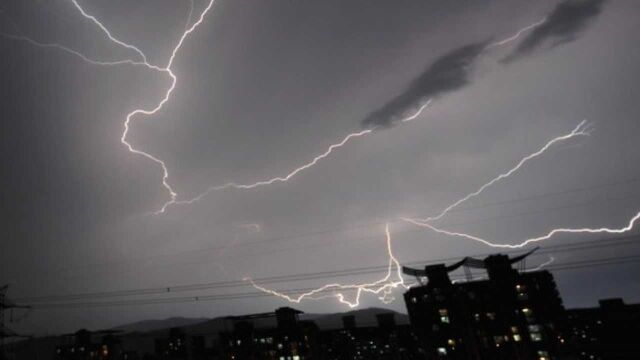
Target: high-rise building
(291, 339)
(507, 315)
(386, 341)
(609, 331)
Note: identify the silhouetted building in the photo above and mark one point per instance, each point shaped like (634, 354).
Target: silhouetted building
(291, 339)
(83, 345)
(509, 315)
(384, 341)
(609, 331)
(173, 347)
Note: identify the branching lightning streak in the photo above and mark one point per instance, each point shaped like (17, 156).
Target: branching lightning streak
(167, 69)
(108, 33)
(523, 243)
(188, 21)
(518, 34)
(543, 265)
(173, 196)
(583, 129)
(331, 147)
(77, 53)
(382, 287)
(297, 170)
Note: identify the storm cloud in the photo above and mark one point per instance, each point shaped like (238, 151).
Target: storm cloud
(448, 73)
(563, 25)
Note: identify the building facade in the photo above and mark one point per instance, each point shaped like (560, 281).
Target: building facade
(609, 331)
(508, 315)
(291, 339)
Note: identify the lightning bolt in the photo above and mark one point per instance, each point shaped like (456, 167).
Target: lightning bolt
(147, 112)
(383, 287)
(297, 170)
(525, 242)
(333, 146)
(517, 34)
(189, 28)
(583, 129)
(73, 52)
(543, 265)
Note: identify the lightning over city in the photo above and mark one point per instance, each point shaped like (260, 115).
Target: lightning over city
(173, 195)
(382, 287)
(323, 179)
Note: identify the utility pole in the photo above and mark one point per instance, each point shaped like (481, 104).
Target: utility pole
(3, 291)
(4, 331)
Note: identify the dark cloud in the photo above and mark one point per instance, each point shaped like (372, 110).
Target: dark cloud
(563, 25)
(449, 73)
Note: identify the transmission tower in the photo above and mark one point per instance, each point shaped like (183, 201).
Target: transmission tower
(5, 332)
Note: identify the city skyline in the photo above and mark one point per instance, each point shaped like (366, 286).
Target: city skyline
(269, 147)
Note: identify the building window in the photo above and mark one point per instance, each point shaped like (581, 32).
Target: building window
(444, 315)
(517, 337)
(527, 312)
(536, 337)
(442, 351)
(543, 355)
(491, 315)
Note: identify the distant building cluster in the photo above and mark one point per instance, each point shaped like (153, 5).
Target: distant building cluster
(507, 314)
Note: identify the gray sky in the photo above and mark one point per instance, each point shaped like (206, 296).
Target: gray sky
(265, 86)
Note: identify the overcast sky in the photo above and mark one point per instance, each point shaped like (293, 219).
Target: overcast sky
(264, 87)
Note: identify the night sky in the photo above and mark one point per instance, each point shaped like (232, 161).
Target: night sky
(264, 87)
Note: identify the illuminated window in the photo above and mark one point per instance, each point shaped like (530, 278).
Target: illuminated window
(517, 337)
(491, 315)
(536, 337)
(442, 351)
(527, 312)
(451, 342)
(543, 355)
(534, 328)
(444, 315)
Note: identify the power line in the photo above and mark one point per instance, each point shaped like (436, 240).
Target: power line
(257, 294)
(367, 225)
(370, 237)
(583, 245)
